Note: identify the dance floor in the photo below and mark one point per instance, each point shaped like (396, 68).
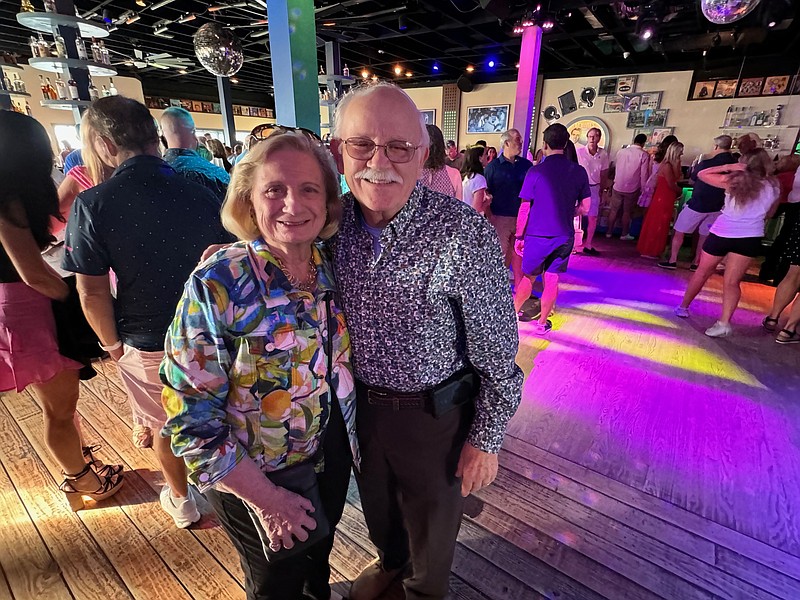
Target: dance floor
(646, 461)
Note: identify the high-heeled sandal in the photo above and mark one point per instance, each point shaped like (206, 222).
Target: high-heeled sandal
(98, 466)
(107, 486)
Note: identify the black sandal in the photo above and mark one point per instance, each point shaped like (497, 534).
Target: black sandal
(790, 337)
(107, 486)
(98, 466)
(769, 324)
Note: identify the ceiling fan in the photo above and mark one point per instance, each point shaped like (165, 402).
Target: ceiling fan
(163, 60)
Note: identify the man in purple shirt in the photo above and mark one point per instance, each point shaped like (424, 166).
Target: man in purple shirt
(553, 192)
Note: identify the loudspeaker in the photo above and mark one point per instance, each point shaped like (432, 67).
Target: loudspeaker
(464, 84)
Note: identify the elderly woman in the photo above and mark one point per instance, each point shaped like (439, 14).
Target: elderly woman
(257, 372)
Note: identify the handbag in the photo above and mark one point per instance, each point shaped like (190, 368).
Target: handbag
(301, 478)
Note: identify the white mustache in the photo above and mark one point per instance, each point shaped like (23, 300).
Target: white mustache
(371, 174)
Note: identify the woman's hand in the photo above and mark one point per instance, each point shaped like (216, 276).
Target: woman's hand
(287, 517)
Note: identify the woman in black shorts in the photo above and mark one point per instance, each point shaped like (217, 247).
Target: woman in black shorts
(787, 289)
(751, 196)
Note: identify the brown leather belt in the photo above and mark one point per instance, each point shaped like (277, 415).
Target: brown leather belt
(387, 398)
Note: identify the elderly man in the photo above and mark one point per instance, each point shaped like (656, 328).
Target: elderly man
(149, 225)
(434, 338)
(504, 177)
(703, 207)
(595, 160)
(632, 170)
(178, 128)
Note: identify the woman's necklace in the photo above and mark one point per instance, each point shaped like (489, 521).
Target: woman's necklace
(310, 281)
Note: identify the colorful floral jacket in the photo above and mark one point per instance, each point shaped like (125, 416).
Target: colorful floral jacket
(246, 362)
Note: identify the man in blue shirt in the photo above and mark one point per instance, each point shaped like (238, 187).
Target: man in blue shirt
(554, 191)
(504, 177)
(150, 225)
(178, 128)
(703, 207)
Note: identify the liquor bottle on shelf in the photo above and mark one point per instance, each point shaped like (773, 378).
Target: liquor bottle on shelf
(321, 70)
(35, 50)
(44, 47)
(104, 93)
(727, 122)
(26, 6)
(93, 93)
(43, 87)
(346, 71)
(775, 119)
(61, 88)
(51, 91)
(73, 89)
(112, 88)
(7, 85)
(97, 55)
(776, 143)
(49, 6)
(105, 57)
(81, 48)
(18, 85)
(28, 110)
(61, 47)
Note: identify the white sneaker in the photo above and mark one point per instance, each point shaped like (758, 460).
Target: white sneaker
(182, 510)
(627, 238)
(608, 235)
(681, 312)
(719, 330)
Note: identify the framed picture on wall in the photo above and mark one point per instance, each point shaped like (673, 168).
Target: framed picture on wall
(487, 119)
(659, 133)
(656, 118)
(215, 108)
(646, 131)
(614, 104)
(636, 119)
(642, 101)
(429, 114)
(626, 84)
(607, 87)
(703, 90)
(206, 107)
(750, 87)
(567, 103)
(775, 86)
(726, 88)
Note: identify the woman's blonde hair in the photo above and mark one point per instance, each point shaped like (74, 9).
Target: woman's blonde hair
(236, 209)
(91, 160)
(673, 153)
(745, 186)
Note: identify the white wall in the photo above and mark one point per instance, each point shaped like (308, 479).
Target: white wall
(696, 122)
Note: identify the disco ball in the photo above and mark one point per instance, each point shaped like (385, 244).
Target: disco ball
(723, 12)
(218, 50)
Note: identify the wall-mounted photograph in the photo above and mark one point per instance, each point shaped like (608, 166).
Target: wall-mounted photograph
(626, 84)
(647, 118)
(751, 87)
(608, 86)
(703, 90)
(726, 88)
(429, 114)
(487, 119)
(614, 104)
(567, 103)
(775, 86)
(642, 101)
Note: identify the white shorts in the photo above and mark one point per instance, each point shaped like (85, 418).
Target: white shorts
(594, 207)
(138, 371)
(689, 221)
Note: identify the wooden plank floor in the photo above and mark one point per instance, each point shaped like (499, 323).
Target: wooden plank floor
(646, 462)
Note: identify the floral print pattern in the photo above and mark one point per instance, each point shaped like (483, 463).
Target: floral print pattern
(246, 363)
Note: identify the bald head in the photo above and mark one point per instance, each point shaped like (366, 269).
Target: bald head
(177, 126)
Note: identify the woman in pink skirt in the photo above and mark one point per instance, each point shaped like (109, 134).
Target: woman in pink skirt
(29, 352)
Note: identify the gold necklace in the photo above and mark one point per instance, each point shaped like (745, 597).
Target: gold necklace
(311, 280)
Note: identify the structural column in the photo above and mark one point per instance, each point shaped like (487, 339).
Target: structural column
(226, 107)
(293, 52)
(525, 103)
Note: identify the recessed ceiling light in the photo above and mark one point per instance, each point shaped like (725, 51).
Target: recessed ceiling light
(397, 70)
(380, 52)
(470, 68)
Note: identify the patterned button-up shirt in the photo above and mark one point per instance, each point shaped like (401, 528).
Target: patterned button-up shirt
(246, 363)
(435, 300)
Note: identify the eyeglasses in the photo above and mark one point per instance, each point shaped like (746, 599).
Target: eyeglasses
(397, 151)
(262, 132)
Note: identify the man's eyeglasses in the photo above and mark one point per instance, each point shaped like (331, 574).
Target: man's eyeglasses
(397, 151)
(262, 132)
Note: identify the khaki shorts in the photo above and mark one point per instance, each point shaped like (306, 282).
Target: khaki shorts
(139, 373)
(506, 228)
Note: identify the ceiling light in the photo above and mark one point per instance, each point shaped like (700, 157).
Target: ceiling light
(380, 52)
(218, 7)
(164, 35)
(161, 4)
(435, 67)
(705, 52)
(187, 18)
(329, 24)
(548, 24)
(133, 19)
(647, 33)
(517, 65)
(365, 74)
(771, 24)
(160, 30)
(140, 3)
(234, 80)
(491, 64)
(183, 71)
(402, 25)
(374, 78)
(470, 68)
(397, 70)
(409, 73)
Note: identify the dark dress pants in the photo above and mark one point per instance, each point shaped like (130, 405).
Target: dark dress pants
(411, 498)
(303, 576)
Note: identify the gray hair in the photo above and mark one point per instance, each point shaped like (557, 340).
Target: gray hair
(175, 115)
(723, 142)
(506, 135)
(365, 90)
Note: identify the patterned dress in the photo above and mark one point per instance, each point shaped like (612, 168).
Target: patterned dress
(245, 365)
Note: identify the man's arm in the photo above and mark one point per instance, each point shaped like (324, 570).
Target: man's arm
(584, 206)
(98, 306)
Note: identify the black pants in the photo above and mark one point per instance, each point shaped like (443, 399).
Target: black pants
(301, 576)
(411, 498)
(775, 265)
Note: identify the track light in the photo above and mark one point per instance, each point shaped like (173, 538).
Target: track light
(160, 30)
(141, 3)
(259, 34)
(133, 19)
(161, 4)
(187, 18)
(402, 25)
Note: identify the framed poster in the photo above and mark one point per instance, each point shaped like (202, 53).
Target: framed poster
(215, 108)
(776, 86)
(579, 127)
(703, 90)
(429, 114)
(206, 107)
(487, 119)
(642, 101)
(751, 87)
(607, 87)
(176, 102)
(647, 118)
(626, 84)
(567, 103)
(636, 119)
(646, 131)
(726, 88)
(614, 104)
